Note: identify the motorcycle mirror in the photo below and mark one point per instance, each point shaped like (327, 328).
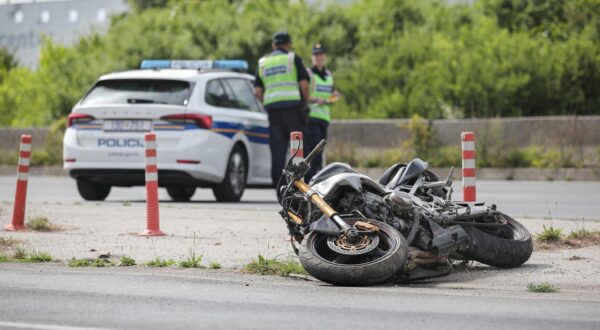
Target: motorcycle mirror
(315, 151)
(449, 177)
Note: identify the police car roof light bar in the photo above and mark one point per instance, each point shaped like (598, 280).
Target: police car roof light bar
(239, 65)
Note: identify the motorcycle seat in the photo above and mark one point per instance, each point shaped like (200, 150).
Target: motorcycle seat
(401, 174)
(391, 173)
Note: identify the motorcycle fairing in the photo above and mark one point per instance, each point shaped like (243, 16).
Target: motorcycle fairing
(331, 170)
(354, 180)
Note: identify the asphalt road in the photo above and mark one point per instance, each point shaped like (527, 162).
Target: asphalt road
(536, 199)
(51, 297)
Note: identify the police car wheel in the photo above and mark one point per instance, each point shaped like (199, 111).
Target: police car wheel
(92, 191)
(232, 187)
(181, 194)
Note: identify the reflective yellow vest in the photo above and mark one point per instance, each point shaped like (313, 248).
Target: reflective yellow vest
(322, 89)
(279, 76)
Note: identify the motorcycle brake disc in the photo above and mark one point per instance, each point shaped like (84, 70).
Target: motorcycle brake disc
(341, 245)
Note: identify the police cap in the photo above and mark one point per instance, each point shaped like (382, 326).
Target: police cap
(318, 48)
(281, 38)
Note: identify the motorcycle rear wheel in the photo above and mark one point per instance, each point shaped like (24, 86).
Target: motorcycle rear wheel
(377, 266)
(507, 249)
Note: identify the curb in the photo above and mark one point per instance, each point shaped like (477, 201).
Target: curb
(525, 174)
(521, 174)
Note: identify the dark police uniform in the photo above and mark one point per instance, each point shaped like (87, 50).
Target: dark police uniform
(279, 74)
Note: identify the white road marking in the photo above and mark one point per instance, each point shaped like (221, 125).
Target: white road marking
(24, 325)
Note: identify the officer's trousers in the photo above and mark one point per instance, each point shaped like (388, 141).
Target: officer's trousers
(281, 123)
(317, 131)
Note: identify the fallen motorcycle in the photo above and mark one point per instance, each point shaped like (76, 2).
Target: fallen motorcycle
(353, 230)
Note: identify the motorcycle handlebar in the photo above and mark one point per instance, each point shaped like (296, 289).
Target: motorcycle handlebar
(315, 151)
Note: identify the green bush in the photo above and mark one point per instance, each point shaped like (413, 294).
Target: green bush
(391, 58)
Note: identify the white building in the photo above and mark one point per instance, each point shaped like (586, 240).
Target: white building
(23, 22)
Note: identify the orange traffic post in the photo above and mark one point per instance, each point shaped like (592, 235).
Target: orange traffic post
(468, 167)
(18, 218)
(296, 147)
(152, 223)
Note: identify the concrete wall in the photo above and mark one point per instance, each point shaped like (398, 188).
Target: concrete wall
(518, 132)
(383, 134)
(10, 137)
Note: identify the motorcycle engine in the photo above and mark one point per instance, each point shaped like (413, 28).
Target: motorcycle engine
(371, 205)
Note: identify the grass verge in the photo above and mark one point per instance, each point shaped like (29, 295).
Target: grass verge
(126, 261)
(7, 243)
(192, 261)
(38, 257)
(21, 255)
(78, 262)
(542, 288)
(265, 266)
(40, 223)
(553, 238)
(160, 263)
(549, 234)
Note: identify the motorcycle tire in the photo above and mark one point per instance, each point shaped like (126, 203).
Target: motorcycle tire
(321, 262)
(501, 252)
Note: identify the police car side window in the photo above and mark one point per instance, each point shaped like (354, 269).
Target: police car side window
(242, 94)
(216, 95)
(251, 89)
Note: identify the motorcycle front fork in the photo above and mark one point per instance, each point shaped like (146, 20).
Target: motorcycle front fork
(326, 209)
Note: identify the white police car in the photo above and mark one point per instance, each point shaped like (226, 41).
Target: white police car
(211, 130)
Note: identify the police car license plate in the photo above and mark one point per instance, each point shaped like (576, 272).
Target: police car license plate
(127, 125)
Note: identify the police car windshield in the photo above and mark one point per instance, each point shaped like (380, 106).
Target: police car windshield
(134, 91)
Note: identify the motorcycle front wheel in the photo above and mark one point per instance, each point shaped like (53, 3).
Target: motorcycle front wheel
(376, 266)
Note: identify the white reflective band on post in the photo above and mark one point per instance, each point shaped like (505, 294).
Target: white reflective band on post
(150, 160)
(468, 145)
(25, 146)
(24, 161)
(282, 84)
(468, 163)
(22, 176)
(282, 93)
(469, 181)
(150, 145)
(151, 176)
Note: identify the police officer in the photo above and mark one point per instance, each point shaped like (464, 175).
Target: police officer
(322, 95)
(281, 84)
